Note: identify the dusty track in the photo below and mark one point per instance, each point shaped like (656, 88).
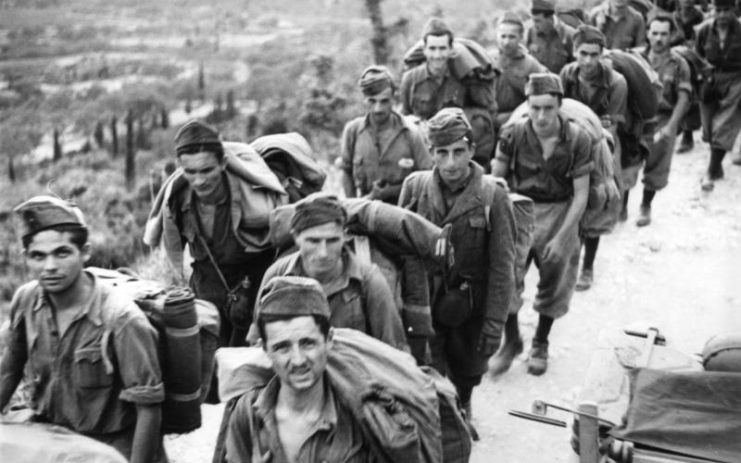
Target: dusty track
(679, 274)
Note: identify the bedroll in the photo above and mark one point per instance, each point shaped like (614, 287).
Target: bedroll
(644, 85)
(406, 413)
(188, 337)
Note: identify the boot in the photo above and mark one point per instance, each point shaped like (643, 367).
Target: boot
(468, 415)
(687, 143)
(537, 362)
(645, 216)
(585, 279)
(502, 360)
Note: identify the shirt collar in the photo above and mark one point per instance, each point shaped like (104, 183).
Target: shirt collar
(564, 134)
(92, 308)
(266, 401)
(396, 122)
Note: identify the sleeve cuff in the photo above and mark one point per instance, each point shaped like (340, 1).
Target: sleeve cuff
(144, 395)
(582, 170)
(417, 320)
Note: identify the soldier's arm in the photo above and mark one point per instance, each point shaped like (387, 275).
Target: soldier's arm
(405, 197)
(146, 433)
(347, 147)
(384, 320)
(684, 90)
(15, 356)
(500, 163)
(238, 441)
(420, 150)
(501, 271)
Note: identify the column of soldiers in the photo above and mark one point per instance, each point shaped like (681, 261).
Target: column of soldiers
(59, 320)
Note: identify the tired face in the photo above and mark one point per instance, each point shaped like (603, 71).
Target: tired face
(203, 171)
(379, 105)
(298, 351)
(55, 261)
(452, 161)
(437, 50)
(588, 56)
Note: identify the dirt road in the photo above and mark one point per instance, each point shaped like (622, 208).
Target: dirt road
(678, 274)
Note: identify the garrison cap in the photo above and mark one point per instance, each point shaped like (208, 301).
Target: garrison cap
(543, 6)
(512, 18)
(436, 26)
(44, 212)
(375, 79)
(292, 296)
(590, 35)
(196, 136)
(317, 209)
(448, 126)
(543, 83)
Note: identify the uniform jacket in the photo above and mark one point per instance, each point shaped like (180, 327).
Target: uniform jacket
(90, 378)
(364, 302)
(365, 162)
(727, 59)
(483, 238)
(423, 96)
(553, 50)
(675, 76)
(510, 86)
(610, 97)
(623, 33)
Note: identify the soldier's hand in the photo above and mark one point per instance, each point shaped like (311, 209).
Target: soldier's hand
(553, 251)
(488, 345)
(378, 191)
(606, 121)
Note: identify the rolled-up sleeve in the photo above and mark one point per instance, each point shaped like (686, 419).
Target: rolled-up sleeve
(617, 99)
(135, 344)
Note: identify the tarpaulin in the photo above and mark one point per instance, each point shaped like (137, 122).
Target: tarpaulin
(690, 413)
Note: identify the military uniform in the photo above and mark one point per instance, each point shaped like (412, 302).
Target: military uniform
(253, 435)
(234, 262)
(510, 85)
(361, 299)
(388, 158)
(675, 77)
(483, 235)
(423, 95)
(91, 377)
(720, 108)
(549, 183)
(553, 50)
(621, 33)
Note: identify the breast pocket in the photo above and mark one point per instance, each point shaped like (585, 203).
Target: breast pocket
(89, 369)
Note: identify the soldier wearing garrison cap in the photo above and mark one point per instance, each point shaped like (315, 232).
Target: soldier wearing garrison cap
(470, 300)
(515, 64)
(382, 147)
(593, 82)
(208, 212)
(549, 40)
(91, 352)
(623, 26)
(293, 317)
(358, 294)
(548, 159)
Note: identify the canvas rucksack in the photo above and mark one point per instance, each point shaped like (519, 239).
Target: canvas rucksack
(188, 337)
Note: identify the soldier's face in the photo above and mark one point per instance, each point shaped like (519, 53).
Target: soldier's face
(452, 160)
(379, 105)
(659, 33)
(542, 23)
(509, 37)
(321, 248)
(298, 351)
(437, 50)
(543, 110)
(588, 56)
(55, 261)
(203, 172)
(725, 15)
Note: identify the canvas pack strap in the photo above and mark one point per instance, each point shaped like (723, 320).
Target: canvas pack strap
(213, 262)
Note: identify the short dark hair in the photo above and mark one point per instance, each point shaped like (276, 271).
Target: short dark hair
(449, 34)
(216, 148)
(78, 234)
(663, 19)
(321, 322)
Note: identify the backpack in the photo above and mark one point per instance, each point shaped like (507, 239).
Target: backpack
(644, 84)
(603, 183)
(188, 337)
(383, 389)
(292, 160)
